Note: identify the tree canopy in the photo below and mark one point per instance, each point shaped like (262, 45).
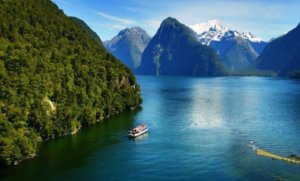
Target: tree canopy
(54, 78)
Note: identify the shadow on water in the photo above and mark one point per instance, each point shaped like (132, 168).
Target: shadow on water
(139, 138)
(70, 152)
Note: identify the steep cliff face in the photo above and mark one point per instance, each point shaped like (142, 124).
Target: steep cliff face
(236, 54)
(282, 55)
(54, 76)
(175, 50)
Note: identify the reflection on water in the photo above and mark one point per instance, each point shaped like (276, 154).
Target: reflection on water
(206, 112)
(199, 129)
(140, 138)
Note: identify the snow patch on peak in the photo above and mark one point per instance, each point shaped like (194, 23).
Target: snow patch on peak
(207, 26)
(249, 36)
(210, 31)
(213, 30)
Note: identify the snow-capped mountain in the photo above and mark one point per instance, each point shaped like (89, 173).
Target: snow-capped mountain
(249, 36)
(214, 31)
(238, 50)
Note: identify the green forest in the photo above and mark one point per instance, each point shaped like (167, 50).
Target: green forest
(54, 78)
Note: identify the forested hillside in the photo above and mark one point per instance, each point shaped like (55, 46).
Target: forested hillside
(54, 78)
(87, 29)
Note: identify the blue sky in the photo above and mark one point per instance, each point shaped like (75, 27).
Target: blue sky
(264, 18)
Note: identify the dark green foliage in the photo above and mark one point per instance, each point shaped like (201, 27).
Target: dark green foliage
(54, 78)
(174, 50)
(87, 29)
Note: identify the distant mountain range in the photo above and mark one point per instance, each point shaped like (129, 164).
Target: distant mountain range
(238, 50)
(175, 50)
(128, 46)
(213, 30)
(282, 55)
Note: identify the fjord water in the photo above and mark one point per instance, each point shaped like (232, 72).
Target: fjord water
(199, 129)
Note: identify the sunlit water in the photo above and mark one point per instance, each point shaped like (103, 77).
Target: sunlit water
(200, 129)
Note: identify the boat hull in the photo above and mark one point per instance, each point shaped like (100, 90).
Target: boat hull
(134, 135)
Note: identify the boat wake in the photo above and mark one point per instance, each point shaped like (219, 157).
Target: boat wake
(252, 145)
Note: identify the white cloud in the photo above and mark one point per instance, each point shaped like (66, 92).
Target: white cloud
(116, 19)
(117, 27)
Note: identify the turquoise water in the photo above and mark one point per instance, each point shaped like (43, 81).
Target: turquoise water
(200, 129)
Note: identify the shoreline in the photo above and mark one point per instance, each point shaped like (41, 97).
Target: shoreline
(74, 132)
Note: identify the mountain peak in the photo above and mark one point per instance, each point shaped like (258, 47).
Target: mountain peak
(173, 25)
(135, 29)
(213, 30)
(282, 54)
(128, 46)
(170, 21)
(214, 21)
(208, 26)
(249, 36)
(175, 50)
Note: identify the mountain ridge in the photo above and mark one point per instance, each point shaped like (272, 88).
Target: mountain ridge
(238, 50)
(174, 50)
(91, 32)
(129, 45)
(282, 55)
(214, 30)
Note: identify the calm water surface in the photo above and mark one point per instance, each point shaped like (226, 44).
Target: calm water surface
(200, 129)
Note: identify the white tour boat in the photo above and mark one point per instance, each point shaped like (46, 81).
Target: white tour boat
(138, 131)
